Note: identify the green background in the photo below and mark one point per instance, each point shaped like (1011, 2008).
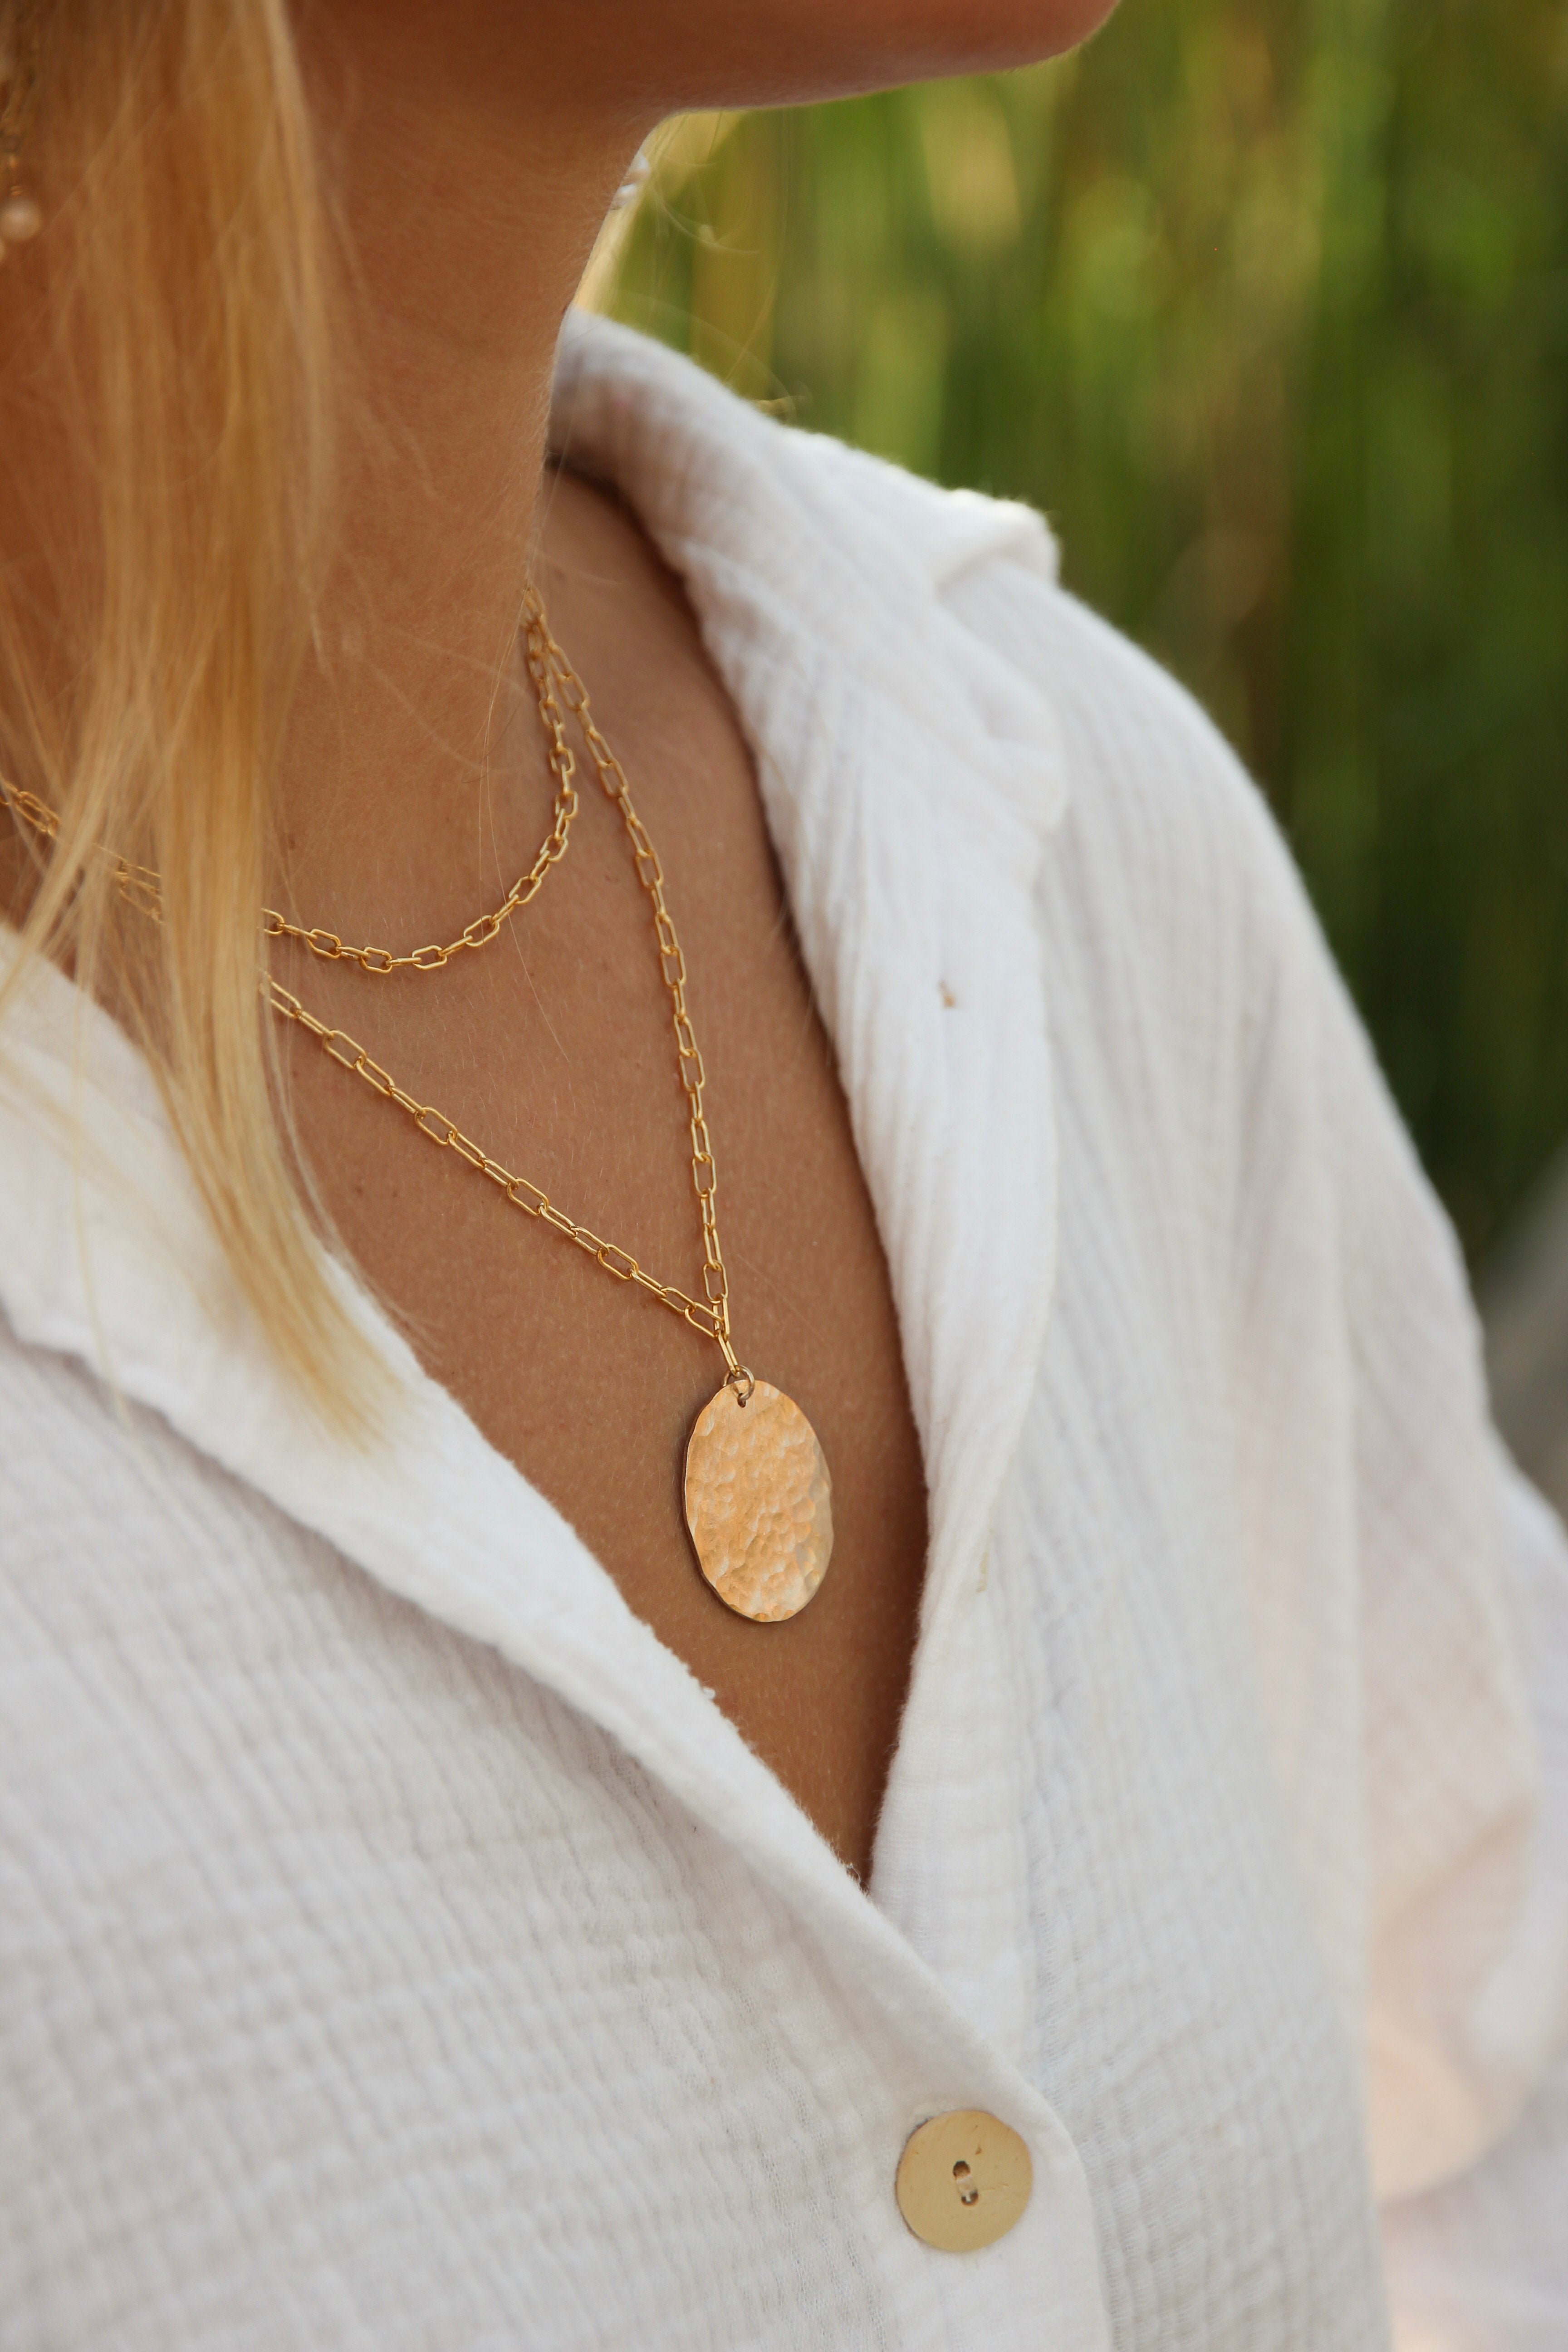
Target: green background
(1266, 305)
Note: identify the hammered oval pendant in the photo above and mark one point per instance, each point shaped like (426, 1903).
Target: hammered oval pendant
(759, 1503)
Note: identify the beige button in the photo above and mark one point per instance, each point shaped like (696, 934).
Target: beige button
(963, 2180)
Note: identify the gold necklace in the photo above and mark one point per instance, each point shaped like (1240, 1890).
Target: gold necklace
(541, 653)
(140, 887)
(757, 1493)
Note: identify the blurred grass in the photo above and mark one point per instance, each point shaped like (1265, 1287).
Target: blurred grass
(1265, 302)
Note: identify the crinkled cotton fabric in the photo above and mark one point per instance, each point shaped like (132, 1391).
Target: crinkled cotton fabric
(402, 1952)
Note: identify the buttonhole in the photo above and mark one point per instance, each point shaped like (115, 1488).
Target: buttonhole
(968, 2194)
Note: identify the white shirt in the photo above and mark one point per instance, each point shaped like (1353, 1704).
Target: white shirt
(400, 1949)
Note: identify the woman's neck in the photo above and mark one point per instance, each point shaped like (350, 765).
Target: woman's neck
(470, 199)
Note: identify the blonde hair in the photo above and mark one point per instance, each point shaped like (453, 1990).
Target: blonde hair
(184, 359)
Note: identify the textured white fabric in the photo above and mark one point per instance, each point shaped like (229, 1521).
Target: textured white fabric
(400, 1950)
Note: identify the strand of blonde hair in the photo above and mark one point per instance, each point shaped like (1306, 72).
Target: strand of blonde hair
(179, 368)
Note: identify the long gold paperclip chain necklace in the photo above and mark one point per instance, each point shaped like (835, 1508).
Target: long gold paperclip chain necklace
(757, 1492)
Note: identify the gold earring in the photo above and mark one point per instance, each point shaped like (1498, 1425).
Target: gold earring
(21, 216)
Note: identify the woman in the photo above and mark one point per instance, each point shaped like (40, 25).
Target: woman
(987, 1779)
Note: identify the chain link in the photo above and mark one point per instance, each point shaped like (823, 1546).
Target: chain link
(554, 682)
(137, 885)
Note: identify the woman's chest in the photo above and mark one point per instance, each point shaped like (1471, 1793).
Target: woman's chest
(554, 1050)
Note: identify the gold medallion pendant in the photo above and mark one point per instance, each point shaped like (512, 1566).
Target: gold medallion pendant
(759, 1501)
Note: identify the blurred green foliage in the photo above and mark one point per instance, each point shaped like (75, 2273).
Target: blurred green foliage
(1265, 302)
